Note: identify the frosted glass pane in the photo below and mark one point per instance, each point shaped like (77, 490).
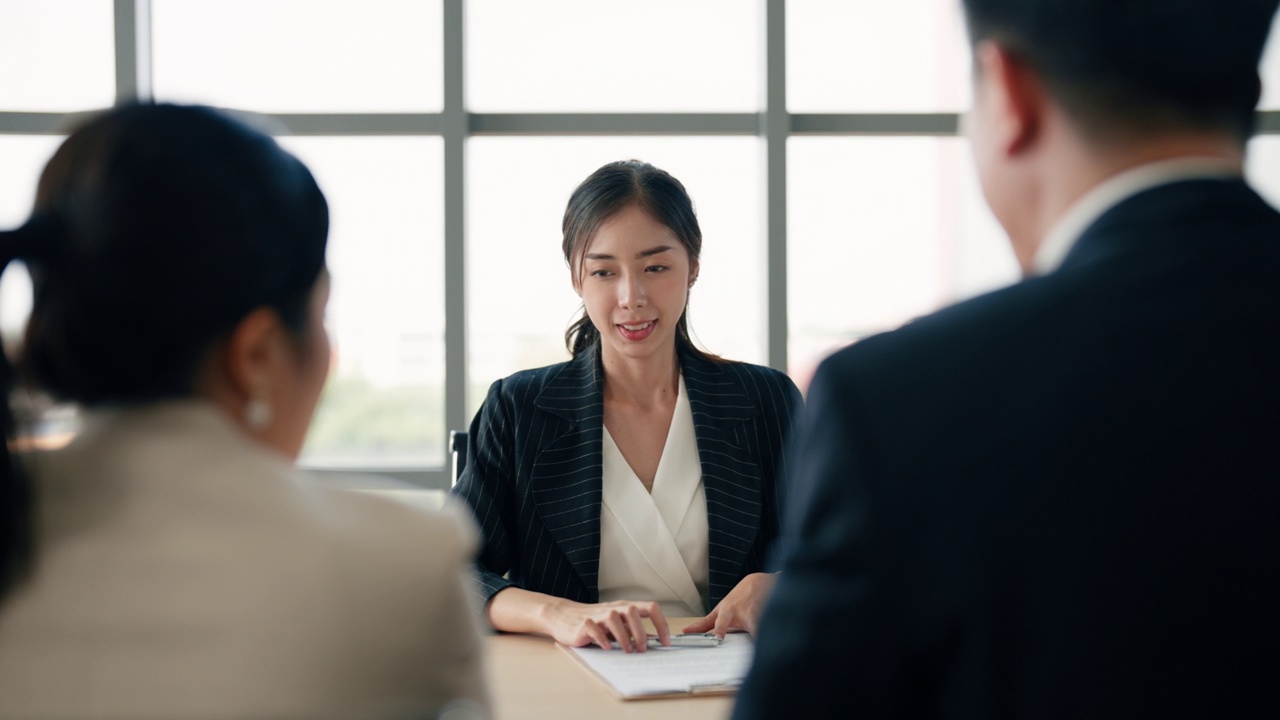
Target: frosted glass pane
(22, 158)
(900, 56)
(384, 403)
(300, 55)
(593, 56)
(1263, 167)
(881, 230)
(1270, 70)
(56, 55)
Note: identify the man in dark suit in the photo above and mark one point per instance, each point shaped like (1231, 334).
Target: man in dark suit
(1061, 499)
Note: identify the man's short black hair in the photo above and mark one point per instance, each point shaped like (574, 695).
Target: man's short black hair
(1134, 66)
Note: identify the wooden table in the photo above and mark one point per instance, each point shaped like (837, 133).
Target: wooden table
(532, 679)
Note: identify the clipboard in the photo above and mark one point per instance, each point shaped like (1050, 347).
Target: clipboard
(669, 672)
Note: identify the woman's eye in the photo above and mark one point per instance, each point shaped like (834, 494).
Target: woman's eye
(657, 268)
(601, 273)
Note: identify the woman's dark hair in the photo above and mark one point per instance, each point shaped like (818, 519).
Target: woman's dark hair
(608, 191)
(156, 230)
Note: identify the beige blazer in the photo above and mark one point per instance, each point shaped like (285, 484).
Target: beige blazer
(185, 572)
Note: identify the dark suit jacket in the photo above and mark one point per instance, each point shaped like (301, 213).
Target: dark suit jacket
(533, 472)
(1058, 500)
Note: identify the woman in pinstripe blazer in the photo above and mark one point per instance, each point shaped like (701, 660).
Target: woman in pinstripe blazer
(549, 444)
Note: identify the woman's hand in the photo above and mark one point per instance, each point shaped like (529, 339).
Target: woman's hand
(741, 608)
(577, 624)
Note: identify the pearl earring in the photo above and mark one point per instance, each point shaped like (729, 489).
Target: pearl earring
(257, 413)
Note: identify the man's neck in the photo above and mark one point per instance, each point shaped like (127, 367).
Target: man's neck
(1078, 168)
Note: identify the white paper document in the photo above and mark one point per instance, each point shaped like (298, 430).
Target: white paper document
(671, 671)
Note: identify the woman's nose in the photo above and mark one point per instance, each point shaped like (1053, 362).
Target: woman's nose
(631, 293)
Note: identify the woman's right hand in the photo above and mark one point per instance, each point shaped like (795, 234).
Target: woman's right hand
(578, 624)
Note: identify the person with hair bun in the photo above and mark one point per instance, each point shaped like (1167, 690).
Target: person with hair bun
(170, 562)
(642, 478)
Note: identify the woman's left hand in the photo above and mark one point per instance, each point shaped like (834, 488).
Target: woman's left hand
(741, 608)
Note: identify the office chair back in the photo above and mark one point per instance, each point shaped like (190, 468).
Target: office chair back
(458, 445)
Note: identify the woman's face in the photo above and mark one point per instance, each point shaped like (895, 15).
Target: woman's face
(299, 391)
(634, 280)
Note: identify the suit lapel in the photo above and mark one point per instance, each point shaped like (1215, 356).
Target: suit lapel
(566, 475)
(730, 472)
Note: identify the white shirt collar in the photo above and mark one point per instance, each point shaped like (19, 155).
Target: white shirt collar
(1114, 190)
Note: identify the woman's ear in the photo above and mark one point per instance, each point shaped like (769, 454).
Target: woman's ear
(267, 377)
(253, 353)
(243, 373)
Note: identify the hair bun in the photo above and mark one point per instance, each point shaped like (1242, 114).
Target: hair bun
(35, 239)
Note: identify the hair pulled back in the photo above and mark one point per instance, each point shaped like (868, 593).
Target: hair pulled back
(605, 193)
(156, 230)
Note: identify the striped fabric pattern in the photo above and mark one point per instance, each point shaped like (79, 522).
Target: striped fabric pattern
(533, 472)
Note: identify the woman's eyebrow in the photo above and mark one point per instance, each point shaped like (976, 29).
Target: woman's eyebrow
(642, 254)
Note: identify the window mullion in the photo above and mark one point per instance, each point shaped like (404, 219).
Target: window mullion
(133, 50)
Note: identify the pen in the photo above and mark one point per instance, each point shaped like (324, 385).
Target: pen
(689, 640)
(697, 640)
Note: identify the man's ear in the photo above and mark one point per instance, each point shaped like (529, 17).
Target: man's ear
(1015, 97)
(253, 353)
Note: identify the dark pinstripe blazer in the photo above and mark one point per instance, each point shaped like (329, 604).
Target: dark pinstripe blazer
(533, 472)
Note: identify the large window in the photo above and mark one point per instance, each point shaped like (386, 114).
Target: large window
(593, 56)
(818, 138)
(880, 230)
(56, 55)
(867, 57)
(383, 403)
(519, 293)
(299, 56)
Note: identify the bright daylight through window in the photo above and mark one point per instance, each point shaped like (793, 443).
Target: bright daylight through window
(448, 134)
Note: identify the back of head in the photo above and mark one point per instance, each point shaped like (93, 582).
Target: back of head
(1135, 66)
(156, 229)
